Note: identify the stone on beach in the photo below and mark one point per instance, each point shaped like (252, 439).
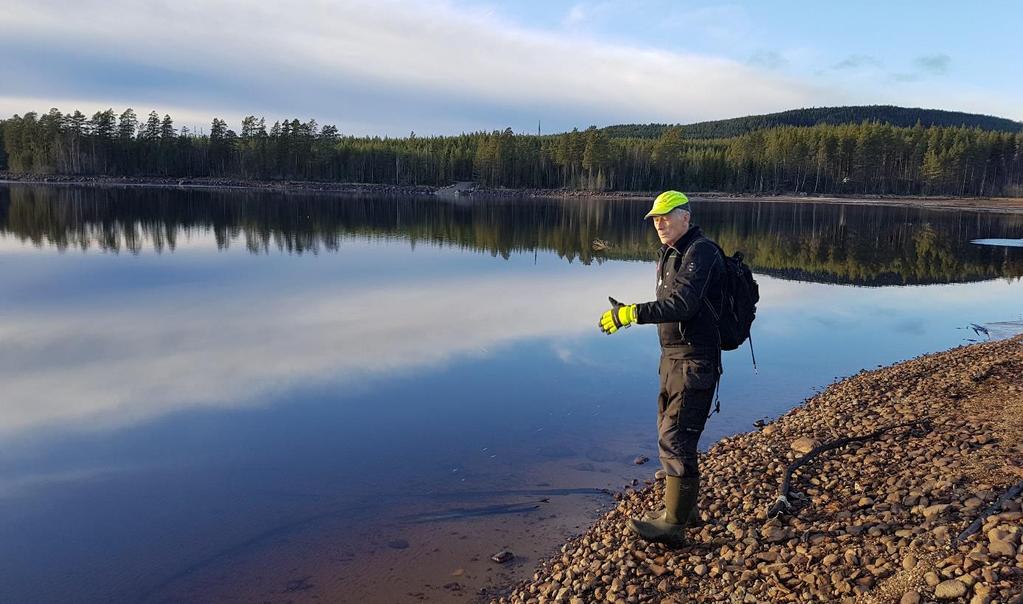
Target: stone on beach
(804, 445)
(949, 590)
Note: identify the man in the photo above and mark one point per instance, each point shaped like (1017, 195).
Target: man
(690, 271)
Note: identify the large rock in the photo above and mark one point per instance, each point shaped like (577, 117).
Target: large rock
(949, 590)
(1002, 548)
(933, 511)
(774, 533)
(804, 445)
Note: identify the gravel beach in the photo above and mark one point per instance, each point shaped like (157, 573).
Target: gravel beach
(871, 521)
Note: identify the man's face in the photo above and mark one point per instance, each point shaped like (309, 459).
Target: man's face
(672, 225)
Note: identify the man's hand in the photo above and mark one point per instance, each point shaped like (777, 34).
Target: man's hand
(618, 317)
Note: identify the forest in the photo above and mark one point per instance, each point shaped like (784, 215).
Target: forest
(869, 157)
(886, 114)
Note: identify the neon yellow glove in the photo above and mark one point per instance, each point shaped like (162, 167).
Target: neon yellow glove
(620, 316)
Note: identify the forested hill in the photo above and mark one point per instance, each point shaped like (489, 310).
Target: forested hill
(885, 114)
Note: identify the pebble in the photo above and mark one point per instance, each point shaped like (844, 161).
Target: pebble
(1002, 548)
(502, 556)
(909, 562)
(949, 590)
(804, 445)
(910, 597)
(933, 511)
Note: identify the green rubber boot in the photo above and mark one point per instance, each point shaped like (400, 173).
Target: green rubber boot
(693, 521)
(680, 495)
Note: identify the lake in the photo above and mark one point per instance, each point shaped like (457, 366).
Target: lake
(215, 395)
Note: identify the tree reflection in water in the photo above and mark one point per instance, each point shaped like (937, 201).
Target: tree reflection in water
(827, 243)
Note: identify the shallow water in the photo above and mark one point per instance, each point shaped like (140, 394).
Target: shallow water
(238, 395)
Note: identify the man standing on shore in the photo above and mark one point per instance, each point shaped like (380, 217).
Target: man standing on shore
(690, 271)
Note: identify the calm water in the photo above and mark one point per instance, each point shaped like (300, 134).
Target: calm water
(207, 391)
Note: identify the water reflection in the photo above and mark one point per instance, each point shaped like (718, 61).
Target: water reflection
(235, 341)
(811, 242)
(182, 426)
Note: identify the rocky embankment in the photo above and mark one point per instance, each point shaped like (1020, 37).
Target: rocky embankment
(220, 183)
(470, 190)
(873, 521)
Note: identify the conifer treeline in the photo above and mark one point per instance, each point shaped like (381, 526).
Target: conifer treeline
(864, 158)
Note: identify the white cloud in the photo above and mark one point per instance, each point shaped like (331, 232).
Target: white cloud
(575, 16)
(364, 63)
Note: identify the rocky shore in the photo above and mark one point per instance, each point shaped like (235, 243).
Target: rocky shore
(473, 191)
(873, 521)
(219, 183)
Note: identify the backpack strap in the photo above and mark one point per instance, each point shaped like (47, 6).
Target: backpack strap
(721, 252)
(716, 396)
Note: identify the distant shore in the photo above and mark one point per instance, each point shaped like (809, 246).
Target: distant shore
(872, 521)
(986, 204)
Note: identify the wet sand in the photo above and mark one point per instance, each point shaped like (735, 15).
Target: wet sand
(428, 547)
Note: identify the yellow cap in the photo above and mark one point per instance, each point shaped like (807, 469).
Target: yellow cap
(666, 202)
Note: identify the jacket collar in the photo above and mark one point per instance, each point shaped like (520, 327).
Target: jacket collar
(683, 242)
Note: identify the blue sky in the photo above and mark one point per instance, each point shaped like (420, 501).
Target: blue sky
(448, 66)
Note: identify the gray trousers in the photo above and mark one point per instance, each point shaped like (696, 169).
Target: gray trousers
(687, 390)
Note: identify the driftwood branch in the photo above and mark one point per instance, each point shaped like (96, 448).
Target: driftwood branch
(782, 504)
(995, 506)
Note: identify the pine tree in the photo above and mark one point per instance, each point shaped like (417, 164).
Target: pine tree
(167, 128)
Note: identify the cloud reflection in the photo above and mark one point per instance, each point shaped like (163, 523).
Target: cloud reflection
(112, 364)
(99, 363)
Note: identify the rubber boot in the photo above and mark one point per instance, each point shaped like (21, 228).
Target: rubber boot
(693, 521)
(680, 495)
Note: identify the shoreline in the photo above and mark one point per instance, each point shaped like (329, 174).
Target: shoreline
(983, 204)
(873, 521)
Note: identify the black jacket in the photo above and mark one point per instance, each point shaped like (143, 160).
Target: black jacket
(689, 283)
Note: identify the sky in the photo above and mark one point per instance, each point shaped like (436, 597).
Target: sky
(383, 67)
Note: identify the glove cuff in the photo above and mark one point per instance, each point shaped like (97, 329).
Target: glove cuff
(624, 315)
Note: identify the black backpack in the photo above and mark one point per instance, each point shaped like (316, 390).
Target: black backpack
(741, 295)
